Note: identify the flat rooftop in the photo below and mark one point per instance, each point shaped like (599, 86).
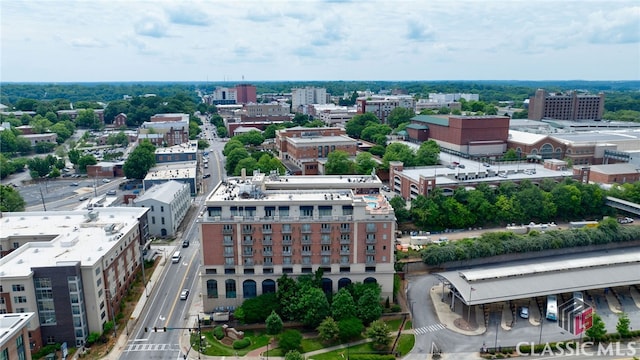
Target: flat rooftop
(63, 236)
(173, 170)
(347, 189)
(339, 139)
(546, 276)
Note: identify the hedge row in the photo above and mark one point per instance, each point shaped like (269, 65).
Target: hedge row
(506, 242)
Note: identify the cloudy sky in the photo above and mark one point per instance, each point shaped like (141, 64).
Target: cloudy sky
(111, 40)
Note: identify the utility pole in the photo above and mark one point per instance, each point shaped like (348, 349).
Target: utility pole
(42, 197)
(144, 281)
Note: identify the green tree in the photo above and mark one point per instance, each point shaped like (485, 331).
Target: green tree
(400, 115)
(597, 330)
(268, 162)
(39, 167)
(314, 306)
(54, 173)
(86, 160)
(399, 206)
(624, 325)
(249, 164)
(273, 323)
(568, 199)
(350, 328)
(234, 157)
(8, 142)
(40, 124)
(10, 199)
(140, 160)
(328, 330)
(232, 145)
(74, 156)
(428, 153)
(87, 119)
(378, 332)
(338, 163)
(343, 305)
(293, 355)
(257, 309)
(510, 155)
(376, 133)
(355, 126)
(62, 131)
(290, 340)
(270, 131)
(369, 307)
(399, 152)
(23, 145)
(364, 163)
(287, 296)
(44, 147)
(252, 137)
(202, 144)
(222, 131)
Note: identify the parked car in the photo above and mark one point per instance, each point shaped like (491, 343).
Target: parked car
(184, 294)
(185, 243)
(524, 312)
(205, 176)
(461, 166)
(106, 181)
(111, 192)
(74, 184)
(83, 198)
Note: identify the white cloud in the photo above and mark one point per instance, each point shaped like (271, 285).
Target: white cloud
(312, 39)
(87, 43)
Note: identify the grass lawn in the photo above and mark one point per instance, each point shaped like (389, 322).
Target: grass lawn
(338, 354)
(214, 347)
(405, 344)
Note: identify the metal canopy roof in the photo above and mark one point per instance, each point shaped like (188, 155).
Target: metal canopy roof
(541, 277)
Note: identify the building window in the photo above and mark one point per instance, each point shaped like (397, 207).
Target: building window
(215, 211)
(345, 227)
(269, 211)
(283, 210)
(16, 245)
(230, 288)
(19, 299)
(17, 287)
(212, 289)
(153, 219)
(162, 220)
(229, 261)
(324, 210)
(228, 251)
(306, 260)
(306, 211)
(161, 208)
(152, 208)
(286, 250)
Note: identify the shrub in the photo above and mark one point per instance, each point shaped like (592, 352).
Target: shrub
(396, 308)
(241, 344)
(218, 332)
(290, 340)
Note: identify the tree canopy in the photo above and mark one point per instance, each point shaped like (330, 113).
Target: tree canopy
(140, 160)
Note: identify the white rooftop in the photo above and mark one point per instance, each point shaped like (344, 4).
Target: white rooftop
(339, 139)
(175, 170)
(67, 236)
(164, 192)
(190, 147)
(11, 324)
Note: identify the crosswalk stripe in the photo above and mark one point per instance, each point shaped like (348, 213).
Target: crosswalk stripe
(430, 328)
(153, 347)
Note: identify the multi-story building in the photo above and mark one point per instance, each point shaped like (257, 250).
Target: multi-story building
(168, 204)
(72, 269)
(451, 97)
(246, 93)
(14, 337)
(302, 150)
(255, 229)
(330, 114)
(569, 106)
(165, 129)
(307, 95)
(381, 106)
(471, 135)
(255, 110)
(184, 172)
(178, 153)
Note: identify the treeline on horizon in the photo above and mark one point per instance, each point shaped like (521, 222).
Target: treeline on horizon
(620, 94)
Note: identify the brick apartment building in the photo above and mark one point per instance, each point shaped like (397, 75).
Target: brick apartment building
(257, 228)
(569, 106)
(300, 149)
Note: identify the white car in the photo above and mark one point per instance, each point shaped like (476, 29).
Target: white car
(184, 294)
(106, 180)
(524, 312)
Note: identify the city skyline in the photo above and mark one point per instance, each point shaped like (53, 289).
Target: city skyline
(104, 41)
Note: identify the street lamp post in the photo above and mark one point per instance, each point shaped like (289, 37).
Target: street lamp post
(471, 289)
(541, 321)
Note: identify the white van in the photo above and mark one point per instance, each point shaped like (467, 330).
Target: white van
(176, 257)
